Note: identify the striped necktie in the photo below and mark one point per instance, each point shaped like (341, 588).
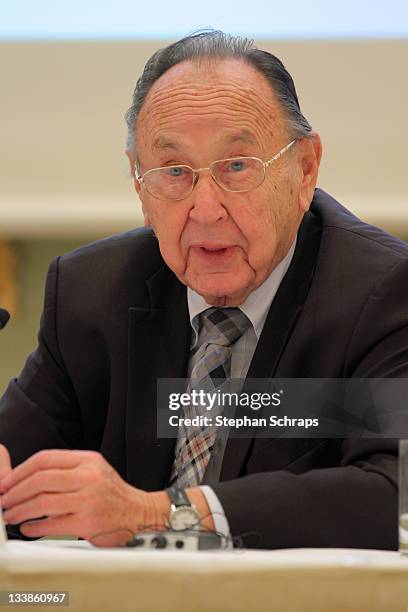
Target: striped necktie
(222, 328)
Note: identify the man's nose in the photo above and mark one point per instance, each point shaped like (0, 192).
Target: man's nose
(207, 200)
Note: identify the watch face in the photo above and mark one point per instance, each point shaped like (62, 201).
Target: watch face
(184, 517)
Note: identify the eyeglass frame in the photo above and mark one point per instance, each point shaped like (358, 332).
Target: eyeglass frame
(196, 171)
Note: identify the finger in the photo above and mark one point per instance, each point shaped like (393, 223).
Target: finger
(64, 525)
(61, 525)
(45, 481)
(5, 463)
(69, 525)
(46, 504)
(43, 460)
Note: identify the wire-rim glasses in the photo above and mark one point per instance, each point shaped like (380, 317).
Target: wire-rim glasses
(235, 174)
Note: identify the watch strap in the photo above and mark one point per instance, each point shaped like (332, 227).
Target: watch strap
(178, 496)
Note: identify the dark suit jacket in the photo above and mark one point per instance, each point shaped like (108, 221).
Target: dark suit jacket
(115, 319)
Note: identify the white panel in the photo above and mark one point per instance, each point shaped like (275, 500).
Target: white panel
(62, 165)
(53, 19)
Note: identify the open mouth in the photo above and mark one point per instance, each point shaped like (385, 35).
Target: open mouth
(213, 254)
(212, 251)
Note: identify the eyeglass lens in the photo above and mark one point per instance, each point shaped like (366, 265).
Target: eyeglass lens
(176, 182)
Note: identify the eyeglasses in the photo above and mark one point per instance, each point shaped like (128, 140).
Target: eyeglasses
(236, 174)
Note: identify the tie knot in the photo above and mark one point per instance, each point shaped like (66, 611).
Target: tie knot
(224, 326)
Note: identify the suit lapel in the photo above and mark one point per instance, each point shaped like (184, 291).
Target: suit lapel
(279, 325)
(158, 341)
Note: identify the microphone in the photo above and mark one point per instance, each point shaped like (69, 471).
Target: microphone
(4, 317)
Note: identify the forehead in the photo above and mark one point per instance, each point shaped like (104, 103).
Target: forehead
(228, 100)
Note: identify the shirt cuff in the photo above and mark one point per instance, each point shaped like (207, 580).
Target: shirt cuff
(218, 515)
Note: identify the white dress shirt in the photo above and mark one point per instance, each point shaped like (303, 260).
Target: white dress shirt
(256, 308)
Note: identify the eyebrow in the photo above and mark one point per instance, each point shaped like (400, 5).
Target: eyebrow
(244, 137)
(164, 144)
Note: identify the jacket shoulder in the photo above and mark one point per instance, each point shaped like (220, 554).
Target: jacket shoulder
(134, 253)
(344, 233)
(132, 242)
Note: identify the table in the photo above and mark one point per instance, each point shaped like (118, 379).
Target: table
(295, 580)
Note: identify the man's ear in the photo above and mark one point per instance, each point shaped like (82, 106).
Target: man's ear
(310, 156)
(132, 163)
(137, 186)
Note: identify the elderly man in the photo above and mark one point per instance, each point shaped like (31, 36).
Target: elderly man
(240, 251)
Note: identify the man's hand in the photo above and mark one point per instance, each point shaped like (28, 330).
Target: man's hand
(75, 493)
(5, 463)
(62, 492)
(5, 466)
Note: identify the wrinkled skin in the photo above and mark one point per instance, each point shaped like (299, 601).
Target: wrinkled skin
(222, 244)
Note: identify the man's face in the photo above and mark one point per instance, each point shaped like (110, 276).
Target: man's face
(223, 244)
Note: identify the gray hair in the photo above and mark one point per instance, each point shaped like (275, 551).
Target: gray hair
(215, 45)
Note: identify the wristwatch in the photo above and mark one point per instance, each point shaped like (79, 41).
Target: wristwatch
(183, 515)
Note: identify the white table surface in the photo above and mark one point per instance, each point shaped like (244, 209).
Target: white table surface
(64, 554)
(129, 580)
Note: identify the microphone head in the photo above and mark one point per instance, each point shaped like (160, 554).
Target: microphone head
(4, 317)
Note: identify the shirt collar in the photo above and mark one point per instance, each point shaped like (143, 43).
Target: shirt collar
(257, 304)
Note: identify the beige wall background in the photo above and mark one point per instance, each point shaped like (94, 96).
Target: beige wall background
(64, 178)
